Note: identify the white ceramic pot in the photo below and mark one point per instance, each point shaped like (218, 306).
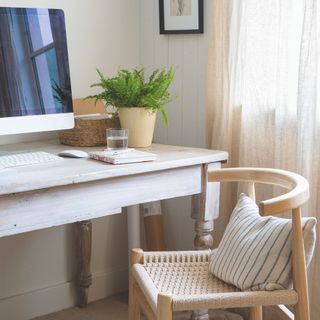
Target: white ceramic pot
(140, 122)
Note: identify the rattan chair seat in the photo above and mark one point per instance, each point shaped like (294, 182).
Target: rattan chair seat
(185, 276)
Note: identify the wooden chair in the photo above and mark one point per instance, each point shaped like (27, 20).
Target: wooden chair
(186, 273)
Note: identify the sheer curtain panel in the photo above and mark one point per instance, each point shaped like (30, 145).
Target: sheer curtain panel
(263, 95)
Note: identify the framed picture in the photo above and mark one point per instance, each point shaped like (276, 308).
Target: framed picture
(181, 16)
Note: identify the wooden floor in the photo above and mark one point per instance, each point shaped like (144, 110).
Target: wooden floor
(114, 308)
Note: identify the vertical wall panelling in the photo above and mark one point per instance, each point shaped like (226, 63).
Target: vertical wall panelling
(187, 113)
(175, 109)
(190, 72)
(188, 54)
(161, 50)
(147, 48)
(203, 48)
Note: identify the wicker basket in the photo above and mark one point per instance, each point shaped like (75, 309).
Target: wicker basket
(89, 131)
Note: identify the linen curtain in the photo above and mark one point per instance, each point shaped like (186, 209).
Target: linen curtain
(263, 96)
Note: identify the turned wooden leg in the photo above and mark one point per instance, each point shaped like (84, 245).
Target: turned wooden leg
(205, 208)
(203, 238)
(84, 260)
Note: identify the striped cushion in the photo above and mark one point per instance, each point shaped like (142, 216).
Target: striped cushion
(255, 252)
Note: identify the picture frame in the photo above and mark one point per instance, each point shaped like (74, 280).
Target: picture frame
(181, 16)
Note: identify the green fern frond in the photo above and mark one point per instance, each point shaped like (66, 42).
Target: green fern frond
(130, 88)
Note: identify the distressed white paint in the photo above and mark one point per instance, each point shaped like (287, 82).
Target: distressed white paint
(78, 189)
(75, 171)
(205, 206)
(49, 195)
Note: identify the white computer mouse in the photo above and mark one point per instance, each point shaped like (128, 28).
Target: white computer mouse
(73, 154)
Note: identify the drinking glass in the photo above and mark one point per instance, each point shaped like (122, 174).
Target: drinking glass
(117, 139)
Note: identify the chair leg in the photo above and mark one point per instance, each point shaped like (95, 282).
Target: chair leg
(256, 313)
(134, 307)
(301, 311)
(300, 283)
(134, 312)
(164, 309)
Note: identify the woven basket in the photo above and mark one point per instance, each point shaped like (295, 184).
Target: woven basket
(89, 131)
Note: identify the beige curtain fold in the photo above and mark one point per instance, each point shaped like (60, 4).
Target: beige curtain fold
(263, 97)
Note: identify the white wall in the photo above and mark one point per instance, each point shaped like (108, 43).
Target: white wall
(187, 114)
(37, 269)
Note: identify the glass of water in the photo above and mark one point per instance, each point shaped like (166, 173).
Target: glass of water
(117, 139)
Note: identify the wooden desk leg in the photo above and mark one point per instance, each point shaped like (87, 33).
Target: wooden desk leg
(84, 260)
(203, 239)
(205, 208)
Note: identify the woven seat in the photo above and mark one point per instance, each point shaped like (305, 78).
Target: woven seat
(185, 276)
(164, 282)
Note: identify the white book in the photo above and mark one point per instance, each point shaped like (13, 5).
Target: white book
(123, 156)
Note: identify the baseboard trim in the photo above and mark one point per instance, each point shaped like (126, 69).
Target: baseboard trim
(61, 296)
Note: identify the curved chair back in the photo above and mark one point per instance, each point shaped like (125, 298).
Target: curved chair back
(297, 185)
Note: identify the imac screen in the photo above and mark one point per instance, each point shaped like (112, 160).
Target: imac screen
(34, 66)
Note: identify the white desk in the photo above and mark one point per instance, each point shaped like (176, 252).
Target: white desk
(77, 190)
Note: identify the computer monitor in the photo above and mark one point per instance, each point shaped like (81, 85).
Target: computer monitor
(35, 88)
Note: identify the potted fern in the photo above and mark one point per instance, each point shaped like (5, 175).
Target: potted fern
(137, 100)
